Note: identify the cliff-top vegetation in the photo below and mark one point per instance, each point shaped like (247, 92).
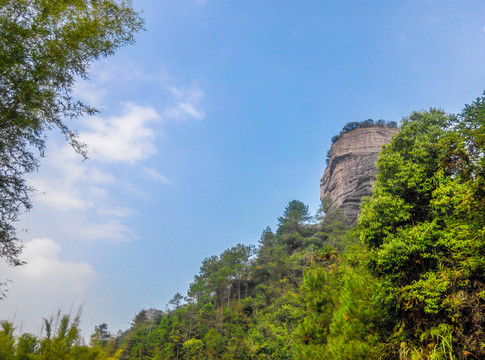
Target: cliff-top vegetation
(364, 124)
(369, 123)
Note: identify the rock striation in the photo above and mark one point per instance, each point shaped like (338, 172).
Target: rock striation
(351, 169)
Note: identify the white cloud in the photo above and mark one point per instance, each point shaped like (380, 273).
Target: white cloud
(116, 211)
(186, 104)
(123, 71)
(113, 230)
(61, 198)
(154, 175)
(44, 283)
(67, 183)
(76, 196)
(99, 176)
(91, 200)
(59, 189)
(42, 260)
(184, 110)
(81, 196)
(126, 138)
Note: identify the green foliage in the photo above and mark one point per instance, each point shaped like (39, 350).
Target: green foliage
(100, 336)
(351, 330)
(246, 302)
(424, 227)
(332, 225)
(320, 288)
(413, 288)
(407, 283)
(176, 300)
(193, 349)
(61, 341)
(344, 306)
(7, 341)
(45, 46)
(225, 276)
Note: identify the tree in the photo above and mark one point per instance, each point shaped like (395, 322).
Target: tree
(176, 300)
(295, 211)
(331, 224)
(424, 229)
(291, 226)
(7, 341)
(101, 335)
(139, 318)
(193, 349)
(238, 260)
(45, 46)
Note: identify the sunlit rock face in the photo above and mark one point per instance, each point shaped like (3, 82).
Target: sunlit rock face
(351, 169)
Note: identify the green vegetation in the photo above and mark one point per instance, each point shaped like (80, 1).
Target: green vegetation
(246, 302)
(360, 125)
(412, 286)
(61, 340)
(364, 124)
(407, 283)
(45, 46)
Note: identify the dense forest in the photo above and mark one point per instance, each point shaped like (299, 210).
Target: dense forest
(407, 282)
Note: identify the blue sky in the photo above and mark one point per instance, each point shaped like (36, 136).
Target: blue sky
(219, 116)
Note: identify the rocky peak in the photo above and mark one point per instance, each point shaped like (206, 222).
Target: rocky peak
(351, 168)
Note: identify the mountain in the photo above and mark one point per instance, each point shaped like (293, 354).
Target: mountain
(351, 168)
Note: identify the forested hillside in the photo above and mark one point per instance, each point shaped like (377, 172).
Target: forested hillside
(408, 282)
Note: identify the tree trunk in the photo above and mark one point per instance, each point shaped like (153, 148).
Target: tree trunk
(239, 289)
(229, 296)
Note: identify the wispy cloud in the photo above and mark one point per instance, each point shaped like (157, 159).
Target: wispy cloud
(78, 197)
(86, 195)
(66, 183)
(127, 138)
(113, 230)
(187, 104)
(61, 198)
(116, 212)
(154, 175)
(122, 71)
(92, 200)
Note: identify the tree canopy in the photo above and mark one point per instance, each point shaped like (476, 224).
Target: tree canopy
(45, 46)
(424, 226)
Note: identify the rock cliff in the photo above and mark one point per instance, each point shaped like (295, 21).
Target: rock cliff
(351, 169)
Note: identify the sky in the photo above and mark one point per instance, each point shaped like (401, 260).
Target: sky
(217, 117)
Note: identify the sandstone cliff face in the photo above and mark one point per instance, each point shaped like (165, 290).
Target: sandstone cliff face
(352, 169)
